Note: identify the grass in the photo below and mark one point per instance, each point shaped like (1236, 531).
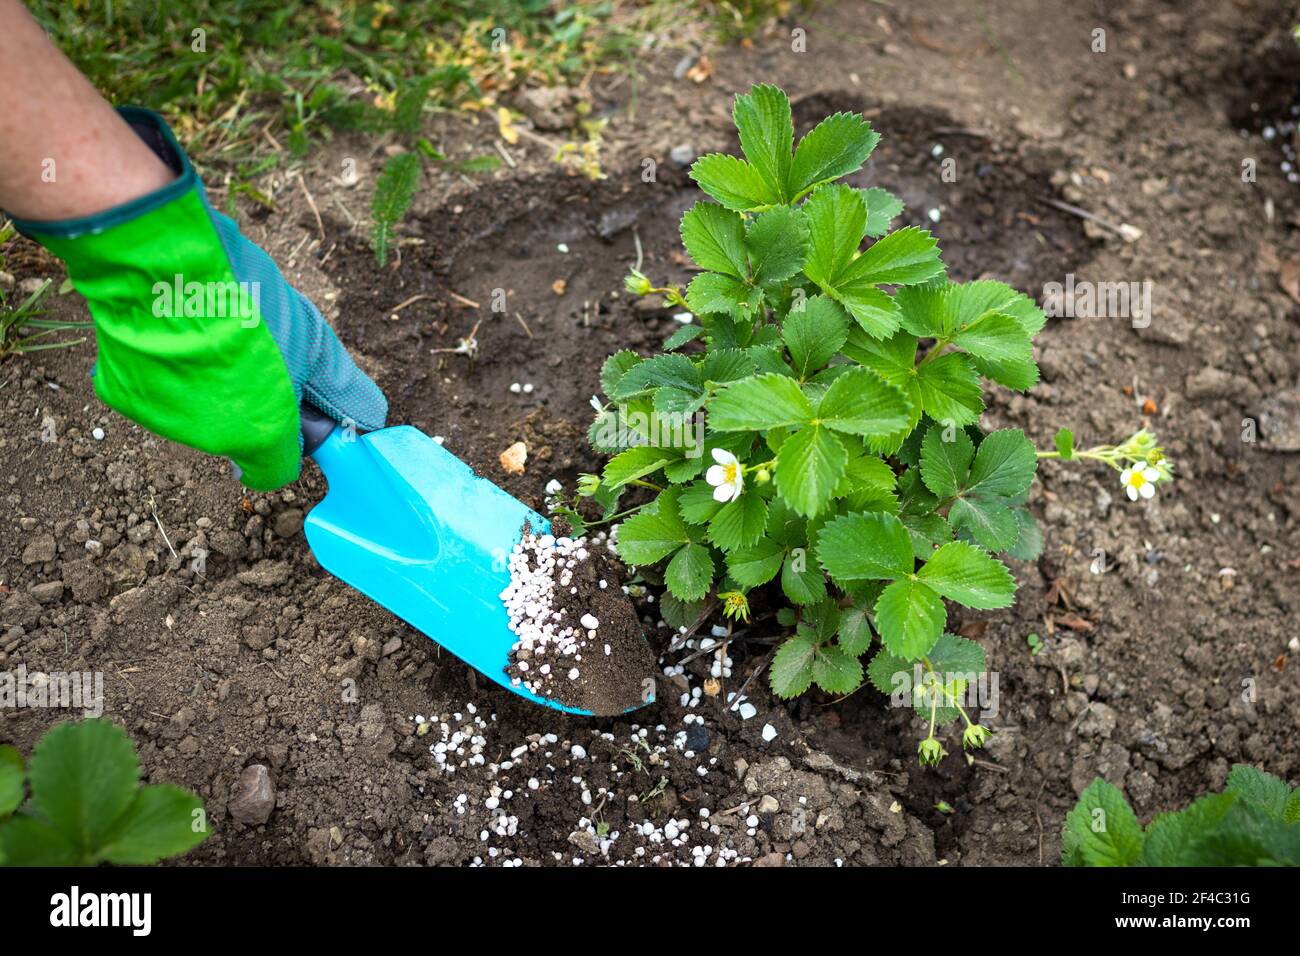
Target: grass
(23, 330)
(237, 77)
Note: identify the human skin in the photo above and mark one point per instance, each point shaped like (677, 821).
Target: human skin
(64, 152)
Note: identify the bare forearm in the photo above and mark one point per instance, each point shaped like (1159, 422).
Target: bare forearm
(64, 152)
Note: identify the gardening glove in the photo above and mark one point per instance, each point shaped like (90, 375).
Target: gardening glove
(201, 339)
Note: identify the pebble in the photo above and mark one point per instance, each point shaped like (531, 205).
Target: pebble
(769, 733)
(252, 798)
(97, 434)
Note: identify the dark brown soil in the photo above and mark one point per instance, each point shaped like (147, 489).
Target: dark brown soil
(1157, 674)
(616, 668)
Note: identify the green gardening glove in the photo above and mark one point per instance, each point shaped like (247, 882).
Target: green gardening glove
(201, 339)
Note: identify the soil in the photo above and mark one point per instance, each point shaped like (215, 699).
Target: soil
(612, 669)
(225, 646)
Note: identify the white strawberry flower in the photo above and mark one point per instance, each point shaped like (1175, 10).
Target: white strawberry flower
(1139, 481)
(725, 477)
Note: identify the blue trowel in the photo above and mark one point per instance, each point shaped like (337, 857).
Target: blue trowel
(409, 525)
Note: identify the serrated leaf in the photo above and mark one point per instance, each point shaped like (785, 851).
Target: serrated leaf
(792, 667)
(808, 467)
(715, 238)
(1029, 537)
(837, 221)
(835, 147)
(802, 581)
(882, 208)
(713, 292)
(689, 574)
(751, 567)
(963, 573)
(634, 463)
(777, 241)
(1291, 814)
(662, 371)
(860, 402)
(884, 670)
(814, 334)
(614, 368)
(687, 333)
(835, 670)
(1102, 829)
(910, 617)
(945, 463)
(159, 823)
(950, 389)
(739, 523)
(759, 403)
(696, 503)
(995, 338)
(677, 401)
(722, 365)
(1259, 789)
(1170, 836)
(762, 118)
(855, 631)
(874, 309)
(1004, 465)
(82, 777)
(731, 181)
(987, 521)
(906, 257)
(651, 536)
(928, 531)
(926, 310)
(953, 655)
(861, 547)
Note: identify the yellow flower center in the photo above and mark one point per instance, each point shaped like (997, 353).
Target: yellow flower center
(1137, 479)
(730, 472)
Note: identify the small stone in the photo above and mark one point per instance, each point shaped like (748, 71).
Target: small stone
(683, 154)
(768, 804)
(266, 574)
(769, 733)
(252, 798)
(97, 433)
(47, 592)
(288, 522)
(40, 549)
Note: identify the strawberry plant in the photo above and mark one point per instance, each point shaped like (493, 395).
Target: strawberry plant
(1254, 822)
(840, 463)
(86, 805)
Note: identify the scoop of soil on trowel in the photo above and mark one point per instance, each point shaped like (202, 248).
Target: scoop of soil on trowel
(579, 641)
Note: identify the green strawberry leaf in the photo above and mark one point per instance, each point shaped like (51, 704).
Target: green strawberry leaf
(759, 403)
(963, 573)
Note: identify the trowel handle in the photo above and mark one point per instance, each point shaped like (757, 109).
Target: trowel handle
(316, 427)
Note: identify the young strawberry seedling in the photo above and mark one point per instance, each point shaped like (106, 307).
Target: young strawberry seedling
(841, 460)
(1254, 822)
(86, 805)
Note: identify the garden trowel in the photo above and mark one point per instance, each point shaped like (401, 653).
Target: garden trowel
(409, 525)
